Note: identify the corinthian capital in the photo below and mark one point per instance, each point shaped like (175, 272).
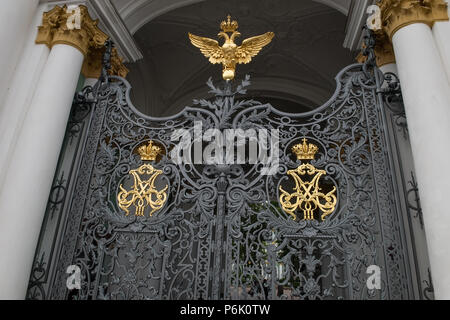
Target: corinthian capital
(395, 14)
(72, 27)
(384, 53)
(76, 28)
(92, 66)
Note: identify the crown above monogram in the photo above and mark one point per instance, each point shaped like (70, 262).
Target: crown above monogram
(229, 26)
(305, 151)
(149, 152)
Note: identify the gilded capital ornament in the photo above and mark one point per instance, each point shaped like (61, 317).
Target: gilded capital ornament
(58, 27)
(92, 66)
(396, 14)
(384, 52)
(117, 66)
(55, 29)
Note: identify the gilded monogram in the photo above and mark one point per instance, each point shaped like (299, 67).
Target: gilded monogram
(307, 196)
(144, 193)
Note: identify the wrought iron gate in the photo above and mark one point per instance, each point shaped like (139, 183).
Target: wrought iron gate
(222, 233)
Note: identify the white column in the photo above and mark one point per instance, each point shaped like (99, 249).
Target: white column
(426, 95)
(21, 91)
(15, 19)
(28, 181)
(441, 33)
(390, 67)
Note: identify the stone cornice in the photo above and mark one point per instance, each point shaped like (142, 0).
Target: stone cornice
(111, 22)
(396, 14)
(356, 19)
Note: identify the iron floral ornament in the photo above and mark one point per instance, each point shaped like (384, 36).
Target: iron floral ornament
(144, 193)
(307, 195)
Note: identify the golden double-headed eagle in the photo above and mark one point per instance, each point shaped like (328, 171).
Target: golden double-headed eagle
(229, 54)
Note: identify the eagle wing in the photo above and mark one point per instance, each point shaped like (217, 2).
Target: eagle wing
(209, 47)
(251, 46)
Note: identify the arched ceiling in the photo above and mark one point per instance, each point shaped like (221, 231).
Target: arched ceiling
(297, 69)
(136, 13)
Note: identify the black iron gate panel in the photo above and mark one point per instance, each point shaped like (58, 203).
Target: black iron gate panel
(224, 230)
